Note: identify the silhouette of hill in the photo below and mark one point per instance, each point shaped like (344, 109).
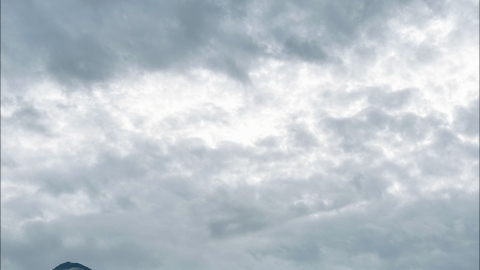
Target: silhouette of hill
(71, 266)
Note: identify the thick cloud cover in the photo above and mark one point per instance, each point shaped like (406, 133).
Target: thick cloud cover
(240, 134)
(91, 41)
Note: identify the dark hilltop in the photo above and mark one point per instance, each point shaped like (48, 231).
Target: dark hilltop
(71, 266)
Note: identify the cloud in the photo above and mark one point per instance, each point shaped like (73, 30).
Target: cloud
(466, 119)
(252, 135)
(89, 41)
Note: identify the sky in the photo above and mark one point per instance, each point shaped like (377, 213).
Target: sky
(240, 134)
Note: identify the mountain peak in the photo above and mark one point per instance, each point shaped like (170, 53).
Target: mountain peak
(71, 266)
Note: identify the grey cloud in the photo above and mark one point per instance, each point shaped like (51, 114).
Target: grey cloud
(272, 220)
(302, 136)
(305, 50)
(386, 236)
(376, 123)
(389, 99)
(241, 221)
(434, 144)
(426, 53)
(27, 118)
(42, 243)
(467, 119)
(89, 41)
(24, 208)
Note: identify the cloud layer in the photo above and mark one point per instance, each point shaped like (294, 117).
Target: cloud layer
(240, 134)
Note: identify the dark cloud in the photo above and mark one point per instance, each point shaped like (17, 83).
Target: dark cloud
(466, 119)
(91, 41)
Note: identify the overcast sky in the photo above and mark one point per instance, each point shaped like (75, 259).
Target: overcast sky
(240, 134)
